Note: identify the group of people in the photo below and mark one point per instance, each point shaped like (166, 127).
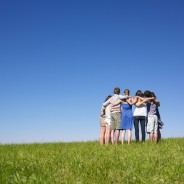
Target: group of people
(117, 115)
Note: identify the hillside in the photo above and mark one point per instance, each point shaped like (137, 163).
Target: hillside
(88, 162)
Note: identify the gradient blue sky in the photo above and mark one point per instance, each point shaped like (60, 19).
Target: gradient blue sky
(60, 59)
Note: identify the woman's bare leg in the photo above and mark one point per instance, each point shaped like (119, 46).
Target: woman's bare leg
(112, 136)
(102, 135)
(123, 136)
(151, 137)
(117, 132)
(129, 136)
(107, 134)
(155, 137)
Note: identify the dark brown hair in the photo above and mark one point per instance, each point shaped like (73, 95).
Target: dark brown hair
(127, 91)
(147, 94)
(117, 91)
(139, 93)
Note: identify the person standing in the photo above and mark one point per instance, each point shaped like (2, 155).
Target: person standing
(152, 125)
(115, 114)
(105, 124)
(102, 130)
(160, 123)
(108, 122)
(140, 115)
(127, 116)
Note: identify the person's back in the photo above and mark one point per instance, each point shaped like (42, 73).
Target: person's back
(127, 117)
(115, 114)
(141, 110)
(114, 99)
(140, 114)
(152, 125)
(105, 124)
(152, 108)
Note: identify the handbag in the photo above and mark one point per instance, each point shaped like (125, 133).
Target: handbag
(160, 124)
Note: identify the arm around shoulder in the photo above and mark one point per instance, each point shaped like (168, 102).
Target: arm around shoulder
(132, 102)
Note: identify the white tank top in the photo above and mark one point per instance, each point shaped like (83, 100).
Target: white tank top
(141, 110)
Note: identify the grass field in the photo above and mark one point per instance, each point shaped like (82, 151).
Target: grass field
(88, 162)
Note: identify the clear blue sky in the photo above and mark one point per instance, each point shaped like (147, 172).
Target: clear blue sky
(60, 59)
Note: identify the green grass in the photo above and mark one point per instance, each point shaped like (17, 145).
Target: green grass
(88, 162)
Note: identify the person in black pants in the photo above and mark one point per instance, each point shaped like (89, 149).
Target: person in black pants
(142, 120)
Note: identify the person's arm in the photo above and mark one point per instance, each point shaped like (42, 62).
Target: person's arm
(117, 103)
(102, 112)
(105, 104)
(150, 98)
(139, 97)
(138, 104)
(122, 97)
(145, 100)
(134, 101)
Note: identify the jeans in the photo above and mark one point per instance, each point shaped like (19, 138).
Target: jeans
(142, 120)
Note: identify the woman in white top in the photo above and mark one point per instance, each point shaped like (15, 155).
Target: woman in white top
(105, 129)
(140, 114)
(108, 122)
